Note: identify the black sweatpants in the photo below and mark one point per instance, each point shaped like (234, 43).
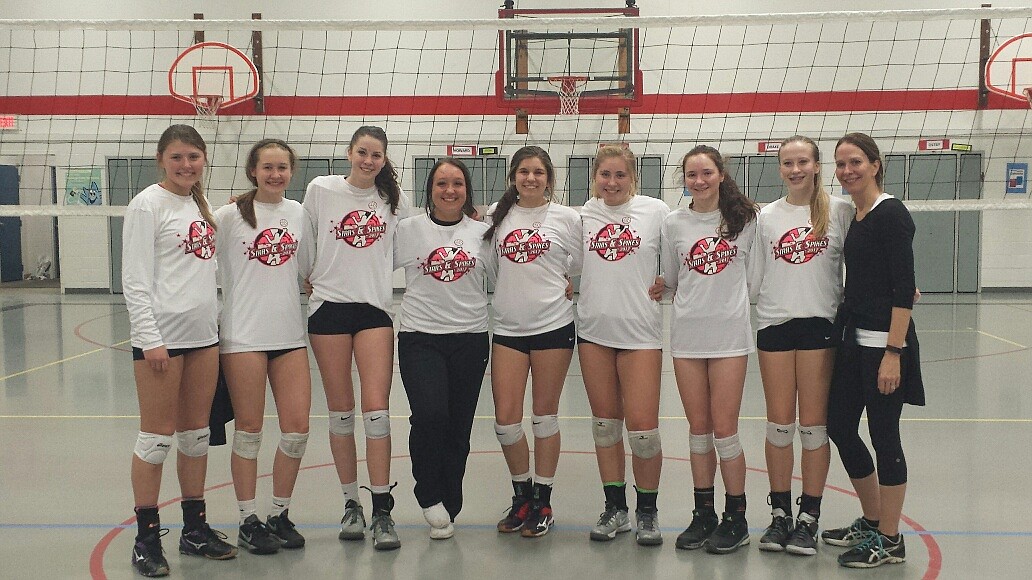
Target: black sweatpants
(442, 374)
(854, 387)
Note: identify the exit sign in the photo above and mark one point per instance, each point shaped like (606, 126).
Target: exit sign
(8, 122)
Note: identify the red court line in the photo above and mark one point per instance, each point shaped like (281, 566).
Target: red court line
(78, 333)
(97, 555)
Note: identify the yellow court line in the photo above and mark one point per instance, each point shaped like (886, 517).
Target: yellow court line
(1010, 342)
(57, 362)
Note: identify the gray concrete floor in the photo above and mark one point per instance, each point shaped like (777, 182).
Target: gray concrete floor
(68, 419)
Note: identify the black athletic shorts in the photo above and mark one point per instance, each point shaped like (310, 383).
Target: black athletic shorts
(797, 334)
(172, 352)
(559, 338)
(348, 318)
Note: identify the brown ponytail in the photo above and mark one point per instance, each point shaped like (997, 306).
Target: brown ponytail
(387, 179)
(820, 201)
(736, 210)
(188, 135)
(511, 196)
(245, 203)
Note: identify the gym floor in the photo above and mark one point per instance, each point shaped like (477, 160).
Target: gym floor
(68, 419)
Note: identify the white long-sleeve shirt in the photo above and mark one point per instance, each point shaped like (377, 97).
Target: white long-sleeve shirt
(258, 269)
(802, 276)
(168, 272)
(621, 247)
(535, 249)
(348, 243)
(709, 275)
(445, 267)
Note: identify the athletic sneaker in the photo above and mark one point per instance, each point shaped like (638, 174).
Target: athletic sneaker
(442, 533)
(353, 524)
(385, 537)
(148, 556)
(610, 523)
(695, 536)
(256, 537)
(204, 541)
(285, 531)
(539, 520)
(648, 533)
(777, 533)
(437, 516)
(875, 551)
(731, 534)
(849, 536)
(517, 516)
(803, 540)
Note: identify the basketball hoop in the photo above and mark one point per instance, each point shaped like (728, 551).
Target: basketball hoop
(207, 106)
(569, 89)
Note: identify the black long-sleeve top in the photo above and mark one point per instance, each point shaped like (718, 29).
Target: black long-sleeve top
(879, 256)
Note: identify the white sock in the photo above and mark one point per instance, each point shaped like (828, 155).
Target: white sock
(279, 505)
(350, 492)
(380, 488)
(247, 508)
(549, 481)
(521, 477)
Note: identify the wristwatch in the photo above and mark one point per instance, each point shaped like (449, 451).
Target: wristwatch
(893, 349)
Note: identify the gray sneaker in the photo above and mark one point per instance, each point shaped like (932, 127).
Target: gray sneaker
(384, 535)
(353, 524)
(611, 522)
(648, 533)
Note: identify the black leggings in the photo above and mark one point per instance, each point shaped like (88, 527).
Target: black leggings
(854, 387)
(442, 375)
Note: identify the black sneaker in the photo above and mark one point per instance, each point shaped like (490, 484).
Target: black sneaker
(777, 533)
(284, 530)
(803, 540)
(256, 538)
(148, 556)
(702, 526)
(204, 541)
(849, 536)
(731, 534)
(539, 520)
(517, 516)
(875, 551)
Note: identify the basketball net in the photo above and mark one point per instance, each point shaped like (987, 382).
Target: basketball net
(207, 107)
(569, 89)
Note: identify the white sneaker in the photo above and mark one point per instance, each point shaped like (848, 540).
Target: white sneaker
(437, 516)
(442, 533)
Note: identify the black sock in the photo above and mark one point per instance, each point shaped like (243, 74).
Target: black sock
(524, 489)
(704, 497)
(543, 493)
(734, 504)
(383, 502)
(616, 495)
(873, 523)
(811, 505)
(781, 500)
(647, 501)
(193, 514)
(147, 521)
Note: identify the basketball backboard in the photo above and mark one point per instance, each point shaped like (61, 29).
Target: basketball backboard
(210, 72)
(1009, 70)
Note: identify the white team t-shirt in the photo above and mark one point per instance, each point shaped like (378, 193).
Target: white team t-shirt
(348, 243)
(621, 247)
(534, 249)
(168, 272)
(802, 275)
(259, 274)
(709, 275)
(445, 268)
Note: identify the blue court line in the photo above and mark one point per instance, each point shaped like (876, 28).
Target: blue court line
(491, 527)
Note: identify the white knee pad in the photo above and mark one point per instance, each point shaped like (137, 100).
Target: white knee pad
(813, 437)
(293, 445)
(377, 424)
(247, 444)
(342, 424)
(152, 448)
(728, 448)
(700, 444)
(645, 444)
(193, 443)
(509, 434)
(780, 435)
(544, 426)
(606, 432)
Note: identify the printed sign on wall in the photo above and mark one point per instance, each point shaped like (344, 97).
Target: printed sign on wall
(82, 186)
(1017, 179)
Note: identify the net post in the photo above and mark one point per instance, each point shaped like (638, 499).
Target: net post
(256, 58)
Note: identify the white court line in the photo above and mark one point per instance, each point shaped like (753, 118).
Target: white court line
(57, 362)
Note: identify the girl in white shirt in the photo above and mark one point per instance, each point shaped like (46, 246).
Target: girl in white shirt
(706, 250)
(620, 339)
(347, 256)
(263, 338)
(168, 278)
(800, 252)
(536, 246)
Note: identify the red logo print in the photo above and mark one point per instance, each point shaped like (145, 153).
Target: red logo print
(448, 263)
(614, 242)
(360, 228)
(524, 245)
(710, 255)
(798, 246)
(273, 247)
(200, 241)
